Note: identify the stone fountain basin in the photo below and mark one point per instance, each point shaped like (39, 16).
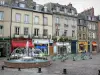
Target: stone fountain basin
(27, 64)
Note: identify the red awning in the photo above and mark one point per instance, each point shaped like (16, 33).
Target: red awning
(21, 44)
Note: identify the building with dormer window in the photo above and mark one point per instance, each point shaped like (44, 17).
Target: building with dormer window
(64, 21)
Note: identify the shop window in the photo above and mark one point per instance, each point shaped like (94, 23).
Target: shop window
(81, 47)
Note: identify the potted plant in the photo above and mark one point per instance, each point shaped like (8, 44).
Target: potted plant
(54, 39)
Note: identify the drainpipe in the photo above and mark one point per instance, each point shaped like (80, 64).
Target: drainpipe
(32, 27)
(10, 30)
(43, 23)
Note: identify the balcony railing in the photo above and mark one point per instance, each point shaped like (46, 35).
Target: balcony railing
(41, 36)
(21, 36)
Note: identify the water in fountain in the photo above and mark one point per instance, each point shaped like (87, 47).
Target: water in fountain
(26, 53)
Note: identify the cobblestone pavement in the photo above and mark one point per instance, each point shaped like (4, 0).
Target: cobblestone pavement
(79, 67)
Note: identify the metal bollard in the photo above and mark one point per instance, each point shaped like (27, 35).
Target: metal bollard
(19, 69)
(64, 71)
(98, 72)
(2, 67)
(39, 70)
(73, 59)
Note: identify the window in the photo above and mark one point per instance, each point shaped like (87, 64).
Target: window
(45, 21)
(45, 9)
(65, 25)
(36, 32)
(57, 32)
(57, 8)
(65, 10)
(80, 22)
(70, 10)
(1, 15)
(1, 29)
(18, 17)
(37, 7)
(93, 27)
(36, 20)
(79, 27)
(79, 36)
(89, 34)
(45, 32)
(84, 36)
(17, 30)
(25, 31)
(22, 5)
(73, 12)
(65, 32)
(2, 2)
(90, 26)
(84, 28)
(26, 19)
(89, 17)
(57, 20)
(94, 35)
(73, 33)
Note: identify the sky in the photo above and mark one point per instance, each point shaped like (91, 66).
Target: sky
(80, 5)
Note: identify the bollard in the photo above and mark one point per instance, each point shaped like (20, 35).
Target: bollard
(73, 59)
(19, 69)
(2, 67)
(64, 71)
(98, 72)
(39, 70)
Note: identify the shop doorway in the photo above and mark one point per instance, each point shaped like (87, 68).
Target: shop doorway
(94, 46)
(62, 50)
(2, 52)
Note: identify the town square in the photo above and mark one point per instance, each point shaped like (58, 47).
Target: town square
(40, 37)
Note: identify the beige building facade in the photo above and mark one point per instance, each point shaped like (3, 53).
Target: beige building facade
(21, 23)
(42, 25)
(5, 18)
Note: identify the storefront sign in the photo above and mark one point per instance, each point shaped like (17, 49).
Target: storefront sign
(42, 41)
(61, 44)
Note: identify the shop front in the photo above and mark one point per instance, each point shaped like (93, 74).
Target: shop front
(45, 45)
(82, 47)
(62, 48)
(4, 47)
(21, 43)
(94, 46)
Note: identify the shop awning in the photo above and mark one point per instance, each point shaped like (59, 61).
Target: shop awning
(94, 43)
(21, 44)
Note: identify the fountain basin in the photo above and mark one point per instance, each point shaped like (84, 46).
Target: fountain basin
(27, 64)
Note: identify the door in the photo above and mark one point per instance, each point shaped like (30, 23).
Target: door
(73, 47)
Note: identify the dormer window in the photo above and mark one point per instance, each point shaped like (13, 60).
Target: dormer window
(22, 5)
(57, 8)
(37, 7)
(89, 17)
(65, 10)
(72, 12)
(45, 9)
(16, 1)
(2, 2)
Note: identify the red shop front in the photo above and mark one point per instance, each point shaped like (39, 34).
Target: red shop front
(21, 43)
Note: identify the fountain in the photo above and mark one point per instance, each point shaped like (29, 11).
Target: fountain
(26, 58)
